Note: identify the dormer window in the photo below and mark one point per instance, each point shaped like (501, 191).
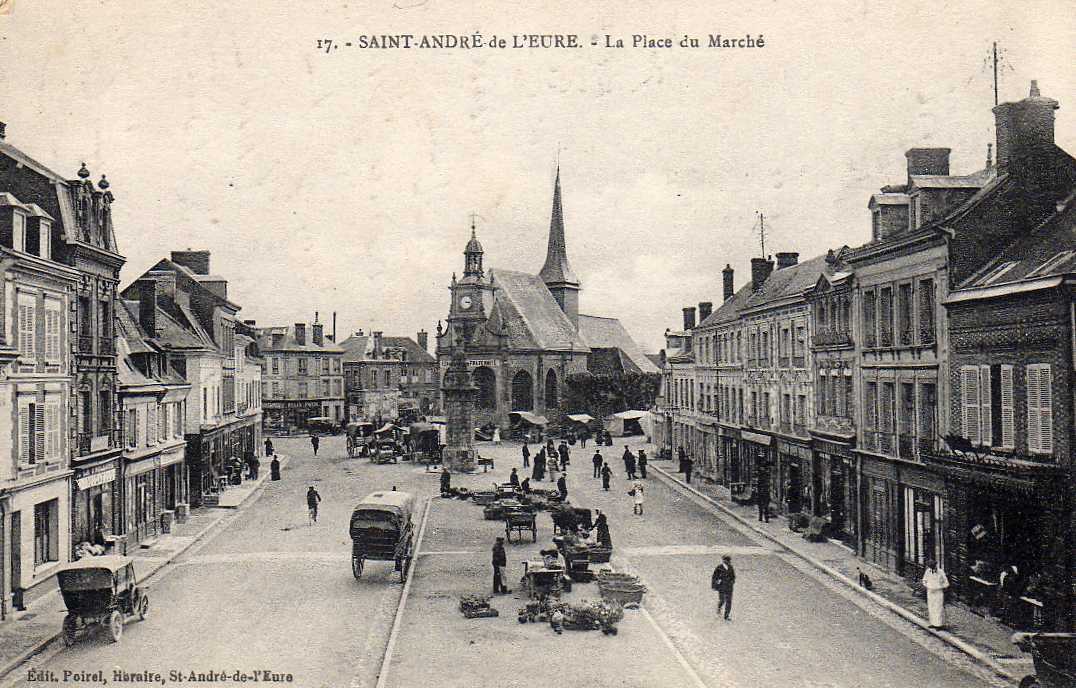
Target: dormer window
(18, 230)
(1052, 264)
(998, 272)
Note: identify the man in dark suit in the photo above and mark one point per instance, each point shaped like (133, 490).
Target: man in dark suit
(722, 580)
(500, 561)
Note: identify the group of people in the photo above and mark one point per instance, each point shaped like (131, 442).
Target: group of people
(549, 459)
(687, 464)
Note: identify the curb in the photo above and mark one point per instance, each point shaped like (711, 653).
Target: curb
(962, 645)
(154, 569)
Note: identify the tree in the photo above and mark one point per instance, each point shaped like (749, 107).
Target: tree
(603, 395)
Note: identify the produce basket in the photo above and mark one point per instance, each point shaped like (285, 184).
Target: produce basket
(483, 498)
(620, 587)
(600, 555)
(476, 607)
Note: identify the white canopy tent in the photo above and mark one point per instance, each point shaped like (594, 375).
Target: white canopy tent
(629, 423)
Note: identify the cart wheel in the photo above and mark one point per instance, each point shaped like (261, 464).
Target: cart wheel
(115, 626)
(70, 625)
(143, 607)
(356, 565)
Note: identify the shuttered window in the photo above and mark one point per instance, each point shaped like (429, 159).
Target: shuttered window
(1008, 429)
(970, 403)
(52, 430)
(986, 417)
(1040, 429)
(52, 330)
(27, 320)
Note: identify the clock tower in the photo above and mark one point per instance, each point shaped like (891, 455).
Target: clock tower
(472, 296)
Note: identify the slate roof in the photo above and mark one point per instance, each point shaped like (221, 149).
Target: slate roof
(790, 281)
(129, 329)
(290, 343)
(556, 269)
(609, 333)
(357, 348)
(953, 181)
(655, 359)
(415, 353)
(1056, 235)
(526, 308)
(729, 311)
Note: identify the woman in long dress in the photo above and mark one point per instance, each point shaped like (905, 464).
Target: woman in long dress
(935, 581)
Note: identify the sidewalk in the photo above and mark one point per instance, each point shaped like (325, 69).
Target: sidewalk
(28, 632)
(985, 641)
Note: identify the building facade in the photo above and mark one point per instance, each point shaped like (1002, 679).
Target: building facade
(303, 375)
(390, 377)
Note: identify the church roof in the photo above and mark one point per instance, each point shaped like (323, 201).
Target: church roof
(609, 333)
(556, 269)
(530, 314)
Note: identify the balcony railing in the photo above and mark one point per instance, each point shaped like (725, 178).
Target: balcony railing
(878, 441)
(831, 338)
(799, 362)
(85, 343)
(782, 362)
(106, 345)
(92, 442)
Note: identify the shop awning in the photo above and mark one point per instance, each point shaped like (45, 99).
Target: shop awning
(756, 438)
(530, 417)
(580, 417)
(631, 415)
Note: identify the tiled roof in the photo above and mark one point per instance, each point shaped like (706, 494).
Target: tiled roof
(609, 333)
(952, 181)
(24, 159)
(415, 353)
(355, 348)
(790, 281)
(129, 329)
(729, 311)
(527, 309)
(290, 343)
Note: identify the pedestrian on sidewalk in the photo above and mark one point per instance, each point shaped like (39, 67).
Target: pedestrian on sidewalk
(601, 527)
(274, 468)
(539, 466)
(500, 560)
(526, 454)
(312, 501)
(935, 581)
(583, 439)
(314, 442)
(762, 494)
(514, 479)
(642, 464)
(268, 447)
(689, 464)
(446, 482)
(629, 463)
(496, 437)
(564, 455)
(722, 580)
(562, 487)
(636, 493)
(607, 473)
(598, 461)
(255, 467)
(551, 464)
(681, 455)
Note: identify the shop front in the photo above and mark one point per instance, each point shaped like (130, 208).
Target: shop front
(791, 484)
(174, 489)
(837, 488)
(141, 491)
(729, 448)
(38, 533)
(96, 512)
(755, 450)
(880, 507)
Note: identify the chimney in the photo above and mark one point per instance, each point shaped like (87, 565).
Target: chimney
(689, 318)
(726, 278)
(250, 323)
(423, 340)
(760, 271)
(360, 333)
(1023, 129)
(196, 261)
(3, 131)
(705, 309)
(300, 334)
(933, 161)
(319, 334)
(278, 340)
(377, 344)
(787, 259)
(334, 327)
(147, 305)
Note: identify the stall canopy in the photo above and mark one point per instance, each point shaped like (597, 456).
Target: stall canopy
(530, 417)
(386, 428)
(580, 417)
(628, 423)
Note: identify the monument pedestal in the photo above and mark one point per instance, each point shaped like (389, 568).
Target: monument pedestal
(459, 394)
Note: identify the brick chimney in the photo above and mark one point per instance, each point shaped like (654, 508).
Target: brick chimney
(933, 161)
(787, 259)
(196, 261)
(689, 318)
(1024, 129)
(423, 340)
(760, 271)
(378, 348)
(726, 279)
(319, 334)
(250, 323)
(3, 131)
(278, 340)
(300, 334)
(705, 309)
(147, 305)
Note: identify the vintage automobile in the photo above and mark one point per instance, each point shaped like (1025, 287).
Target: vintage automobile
(322, 425)
(382, 529)
(360, 436)
(100, 591)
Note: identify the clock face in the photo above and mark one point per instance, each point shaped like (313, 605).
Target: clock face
(465, 302)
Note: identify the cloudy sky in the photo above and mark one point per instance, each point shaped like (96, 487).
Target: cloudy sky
(345, 181)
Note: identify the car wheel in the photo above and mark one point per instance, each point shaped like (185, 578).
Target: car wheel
(143, 607)
(356, 566)
(115, 626)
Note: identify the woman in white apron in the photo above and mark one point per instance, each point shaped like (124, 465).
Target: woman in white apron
(935, 581)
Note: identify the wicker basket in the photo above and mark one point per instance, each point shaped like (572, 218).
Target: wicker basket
(623, 594)
(600, 555)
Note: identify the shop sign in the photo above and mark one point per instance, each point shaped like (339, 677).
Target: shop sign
(175, 456)
(143, 466)
(104, 477)
(756, 438)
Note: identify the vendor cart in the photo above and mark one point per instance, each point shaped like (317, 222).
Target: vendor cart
(541, 581)
(1054, 655)
(519, 520)
(360, 435)
(381, 529)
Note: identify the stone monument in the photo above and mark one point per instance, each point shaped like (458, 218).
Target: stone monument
(459, 396)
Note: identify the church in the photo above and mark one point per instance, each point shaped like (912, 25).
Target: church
(523, 334)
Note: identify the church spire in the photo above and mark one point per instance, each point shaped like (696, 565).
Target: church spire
(557, 270)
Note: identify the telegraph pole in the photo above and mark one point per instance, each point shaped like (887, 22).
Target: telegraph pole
(995, 73)
(762, 231)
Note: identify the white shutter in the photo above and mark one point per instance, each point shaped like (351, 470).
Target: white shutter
(26, 329)
(1008, 418)
(969, 402)
(25, 432)
(986, 416)
(1046, 411)
(1034, 418)
(39, 432)
(52, 450)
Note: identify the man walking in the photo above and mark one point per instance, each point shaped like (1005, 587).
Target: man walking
(562, 487)
(629, 463)
(500, 560)
(689, 463)
(312, 501)
(314, 442)
(607, 473)
(642, 464)
(526, 454)
(563, 451)
(598, 461)
(722, 580)
(268, 447)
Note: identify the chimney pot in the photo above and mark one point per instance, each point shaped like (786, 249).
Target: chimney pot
(196, 261)
(1024, 129)
(300, 334)
(726, 278)
(319, 333)
(423, 340)
(787, 259)
(689, 318)
(760, 271)
(932, 161)
(3, 130)
(705, 309)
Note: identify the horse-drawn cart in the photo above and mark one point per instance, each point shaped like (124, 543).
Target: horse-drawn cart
(519, 520)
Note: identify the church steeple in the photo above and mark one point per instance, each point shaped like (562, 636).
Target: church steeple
(473, 254)
(557, 271)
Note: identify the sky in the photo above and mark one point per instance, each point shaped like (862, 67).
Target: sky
(346, 181)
